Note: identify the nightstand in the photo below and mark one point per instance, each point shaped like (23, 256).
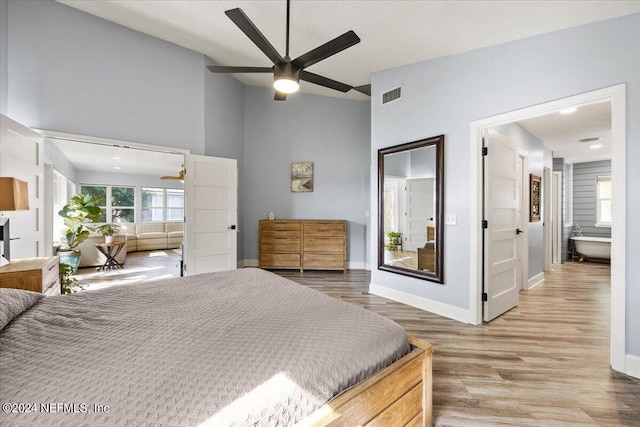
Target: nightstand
(32, 274)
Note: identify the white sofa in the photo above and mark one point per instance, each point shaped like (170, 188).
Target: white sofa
(140, 236)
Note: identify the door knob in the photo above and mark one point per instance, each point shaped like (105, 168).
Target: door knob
(232, 227)
(518, 231)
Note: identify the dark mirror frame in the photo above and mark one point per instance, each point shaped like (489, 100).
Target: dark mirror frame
(438, 275)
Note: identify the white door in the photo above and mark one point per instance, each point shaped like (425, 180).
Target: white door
(420, 211)
(501, 211)
(21, 154)
(211, 196)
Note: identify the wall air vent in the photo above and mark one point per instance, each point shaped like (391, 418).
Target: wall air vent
(392, 95)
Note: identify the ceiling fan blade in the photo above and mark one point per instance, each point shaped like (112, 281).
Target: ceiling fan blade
(279, 96)
(244, 23)
(328, 49)
(366, 89)
(224, 69)
(324, 81)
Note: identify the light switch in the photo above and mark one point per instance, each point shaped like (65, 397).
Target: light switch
(450, 219)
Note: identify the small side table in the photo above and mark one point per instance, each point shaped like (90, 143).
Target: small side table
(110, 251)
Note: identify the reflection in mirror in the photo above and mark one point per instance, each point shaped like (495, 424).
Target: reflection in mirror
(410, 208)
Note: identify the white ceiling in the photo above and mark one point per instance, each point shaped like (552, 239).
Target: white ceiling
(561, 132)
(106, 158)
(393, 33)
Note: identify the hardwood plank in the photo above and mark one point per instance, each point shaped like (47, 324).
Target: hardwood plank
(546, 362)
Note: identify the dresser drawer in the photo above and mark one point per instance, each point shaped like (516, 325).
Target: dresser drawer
(51, 278)
(275, 225)
(272, 260)
(327, 244)
(323, 261)
(280, 245)
(325, 228)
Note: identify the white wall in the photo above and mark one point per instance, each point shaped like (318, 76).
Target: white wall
(445, 95)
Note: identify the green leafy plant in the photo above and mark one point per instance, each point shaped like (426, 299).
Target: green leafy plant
(67, 282)
(80, 210)
(393, 240)
(108, 229)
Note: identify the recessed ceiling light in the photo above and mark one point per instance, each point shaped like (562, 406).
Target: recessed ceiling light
(589, 139)
(595, 146)
(117, 167)
(568, 110)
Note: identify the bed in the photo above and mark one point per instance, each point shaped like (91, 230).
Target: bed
(237, 348)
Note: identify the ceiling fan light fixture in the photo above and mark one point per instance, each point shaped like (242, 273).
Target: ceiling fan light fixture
(286, 78)
(286, 84)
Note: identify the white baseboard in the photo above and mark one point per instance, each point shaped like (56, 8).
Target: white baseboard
(359, 265)
(439, 308)
(535, 280)
(632, 365)
(248, 263)
(350, 265)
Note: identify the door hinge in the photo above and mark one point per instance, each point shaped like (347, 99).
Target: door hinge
(485, 223)
(485, 151)
(485, 297)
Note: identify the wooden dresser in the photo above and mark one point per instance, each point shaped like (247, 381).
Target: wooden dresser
(32, 274)
(303, 244)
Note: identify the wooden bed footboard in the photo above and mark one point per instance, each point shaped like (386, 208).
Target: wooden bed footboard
(398, 395)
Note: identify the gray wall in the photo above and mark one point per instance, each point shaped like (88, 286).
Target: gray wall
(536, 151)
(444, 95)
(73, 72)
(4, 55)
(585, 176)
(334, 135)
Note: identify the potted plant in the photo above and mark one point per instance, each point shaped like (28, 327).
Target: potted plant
(108, 231)
(81, 210)
(394, 240)
(67, 283)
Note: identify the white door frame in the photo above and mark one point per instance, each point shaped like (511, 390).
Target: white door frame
(615, 95)
(557, 218)
(524, 220)
(546, 217)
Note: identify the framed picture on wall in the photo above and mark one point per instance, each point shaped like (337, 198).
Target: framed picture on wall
(535, 185)
(302, 177)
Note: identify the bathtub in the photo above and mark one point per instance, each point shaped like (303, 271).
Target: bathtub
(593, 247)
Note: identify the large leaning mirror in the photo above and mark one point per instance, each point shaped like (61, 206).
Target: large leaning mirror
(410, 209)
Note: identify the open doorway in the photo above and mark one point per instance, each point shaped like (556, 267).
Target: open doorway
(141, 194)
(615, 96)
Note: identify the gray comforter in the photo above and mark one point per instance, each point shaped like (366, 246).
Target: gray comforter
(239, 348)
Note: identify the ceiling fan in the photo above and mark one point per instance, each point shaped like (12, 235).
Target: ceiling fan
(286, 72)
(180, 176)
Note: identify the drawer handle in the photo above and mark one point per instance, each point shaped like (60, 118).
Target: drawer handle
(51, 285)
(53, 266)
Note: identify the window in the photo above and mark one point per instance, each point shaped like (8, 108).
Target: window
(118, 203)
(603, 201)
(162, 204)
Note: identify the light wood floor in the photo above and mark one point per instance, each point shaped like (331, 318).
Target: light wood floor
(544, 363)
(139, 267)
